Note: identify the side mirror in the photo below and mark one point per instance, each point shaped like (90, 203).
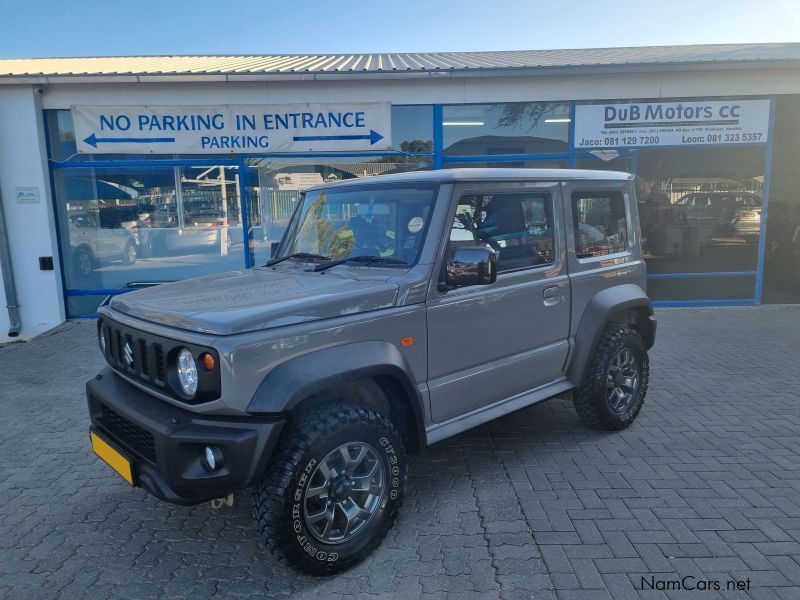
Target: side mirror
(471, 265)
(273, 249)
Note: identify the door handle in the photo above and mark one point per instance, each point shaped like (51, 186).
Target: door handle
(552, 296)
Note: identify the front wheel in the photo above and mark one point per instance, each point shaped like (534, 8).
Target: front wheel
(333, 489)
(130, 254)
(613, 391)
(84, 263)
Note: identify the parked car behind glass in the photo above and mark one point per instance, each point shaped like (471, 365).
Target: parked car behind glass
(92, 244)
(739, 213)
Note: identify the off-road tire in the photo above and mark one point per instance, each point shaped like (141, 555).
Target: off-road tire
(591, 397)
(279, 499)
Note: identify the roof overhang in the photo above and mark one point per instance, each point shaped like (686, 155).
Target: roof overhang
(435, 74)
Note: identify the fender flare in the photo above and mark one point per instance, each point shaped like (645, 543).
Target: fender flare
(597, 313)
(285, 386)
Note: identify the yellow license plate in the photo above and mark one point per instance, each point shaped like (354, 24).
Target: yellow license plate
(114, 459)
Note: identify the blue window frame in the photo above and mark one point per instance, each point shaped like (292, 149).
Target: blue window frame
(420, 134)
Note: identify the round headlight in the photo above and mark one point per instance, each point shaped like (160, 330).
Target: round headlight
(187, 372)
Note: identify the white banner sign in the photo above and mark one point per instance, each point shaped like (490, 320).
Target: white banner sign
(684, 123)
(232, 128)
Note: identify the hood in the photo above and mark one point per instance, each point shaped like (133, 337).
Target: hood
(254, 299)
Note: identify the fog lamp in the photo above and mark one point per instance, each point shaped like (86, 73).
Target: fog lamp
(213, 458)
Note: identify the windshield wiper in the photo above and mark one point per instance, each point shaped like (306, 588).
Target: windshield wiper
(387, 260)
(301, 255)
(367, 260)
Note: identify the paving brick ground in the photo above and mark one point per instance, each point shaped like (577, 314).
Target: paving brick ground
(706, 483)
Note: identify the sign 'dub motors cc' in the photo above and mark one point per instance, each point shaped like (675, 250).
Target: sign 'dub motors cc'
(232, 128)
(683, 123)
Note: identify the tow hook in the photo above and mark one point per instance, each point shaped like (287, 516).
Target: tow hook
(224, 501)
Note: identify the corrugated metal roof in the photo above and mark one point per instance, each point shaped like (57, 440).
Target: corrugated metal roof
(423, 62)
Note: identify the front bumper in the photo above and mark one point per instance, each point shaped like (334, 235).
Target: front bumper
(167, 444)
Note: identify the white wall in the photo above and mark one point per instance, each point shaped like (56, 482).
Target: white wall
(31, 227)
(431, 90)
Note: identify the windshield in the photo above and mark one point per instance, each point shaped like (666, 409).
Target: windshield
(384, 221)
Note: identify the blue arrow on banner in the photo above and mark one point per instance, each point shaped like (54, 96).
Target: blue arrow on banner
(373, 137)
(93, 140)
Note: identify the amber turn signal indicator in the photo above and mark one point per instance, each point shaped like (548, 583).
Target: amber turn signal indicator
(407, 341)
(208, 361)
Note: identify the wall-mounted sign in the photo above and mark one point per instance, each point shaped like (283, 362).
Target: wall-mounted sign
(232, 128)
(27, 195)
(683, 123)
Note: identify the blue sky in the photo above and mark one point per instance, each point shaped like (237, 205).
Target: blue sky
(38, 28)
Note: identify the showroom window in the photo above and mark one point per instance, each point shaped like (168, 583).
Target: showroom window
(506, 128)
(782, 246)
(186, 215)
(700, 206)
(122, 225)
(700, 213)
(700, 217)
(412, 128)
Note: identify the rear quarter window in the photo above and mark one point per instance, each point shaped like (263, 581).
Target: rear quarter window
(600, 223)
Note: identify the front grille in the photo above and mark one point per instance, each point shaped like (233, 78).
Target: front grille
(130, 433)
(145, 358)
(161, 365)
(136, 354)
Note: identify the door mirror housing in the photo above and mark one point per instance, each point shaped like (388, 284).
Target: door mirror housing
(273, 249)
(470, 265)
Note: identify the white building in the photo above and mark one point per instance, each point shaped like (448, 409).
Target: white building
(139, 169)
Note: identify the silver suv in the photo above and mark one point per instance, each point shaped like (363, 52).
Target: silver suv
(396, 312)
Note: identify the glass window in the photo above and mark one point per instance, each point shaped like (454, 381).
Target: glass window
(601, 226)
(412, 128)
(61, 134)
(126, 225)
(384, 222)
(700, 209)
(782, 250)
(506, 128)
(519, 226)
(275, 186)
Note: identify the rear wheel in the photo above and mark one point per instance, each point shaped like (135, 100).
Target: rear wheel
(333, 489)
(615, 386)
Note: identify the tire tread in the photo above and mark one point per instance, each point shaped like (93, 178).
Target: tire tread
(271, 498)
(586, 397)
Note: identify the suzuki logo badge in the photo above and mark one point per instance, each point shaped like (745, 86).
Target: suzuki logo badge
(127, 353)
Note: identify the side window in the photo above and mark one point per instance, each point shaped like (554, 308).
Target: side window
(519, 226)
(601, 226)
